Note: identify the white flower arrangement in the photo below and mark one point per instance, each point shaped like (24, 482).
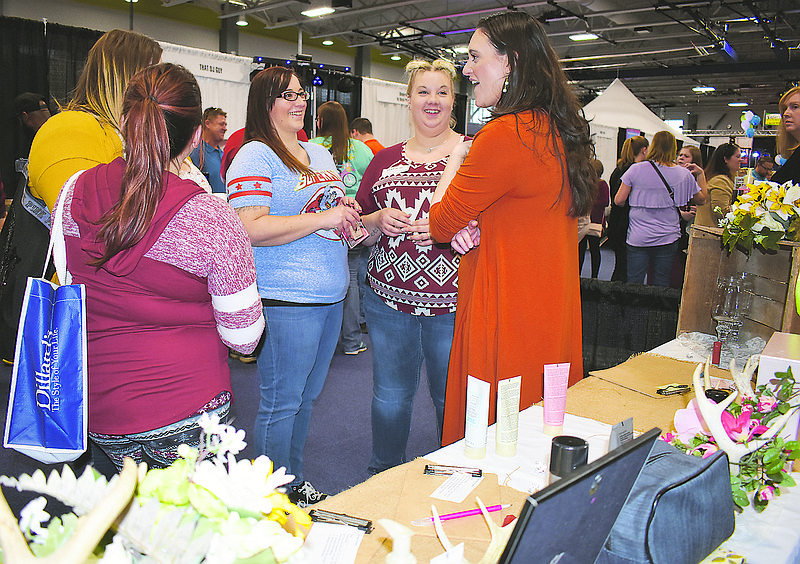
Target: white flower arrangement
(205, 507)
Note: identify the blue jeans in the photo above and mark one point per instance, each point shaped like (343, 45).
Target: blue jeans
(400, 342)
(299, 342)
(660, 257)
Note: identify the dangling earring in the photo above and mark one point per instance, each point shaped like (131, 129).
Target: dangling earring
(505, 85)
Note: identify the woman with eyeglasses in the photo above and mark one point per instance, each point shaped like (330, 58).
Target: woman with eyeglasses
(292, 203)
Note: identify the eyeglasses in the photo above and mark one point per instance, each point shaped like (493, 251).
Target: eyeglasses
(291, 95)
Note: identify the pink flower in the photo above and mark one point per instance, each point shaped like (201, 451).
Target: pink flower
(767, 404)
(668, 437)
(689, 422)
(741, 429)
(767, 493)
(707, 449)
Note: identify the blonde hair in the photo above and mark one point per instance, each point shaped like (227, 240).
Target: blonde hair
(786, 143)
(663, 148)
(112, 62)
(419, 66)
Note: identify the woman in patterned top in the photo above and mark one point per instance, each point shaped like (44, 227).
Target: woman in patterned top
(411, 300)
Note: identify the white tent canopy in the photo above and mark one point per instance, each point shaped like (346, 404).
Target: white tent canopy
(617, 107)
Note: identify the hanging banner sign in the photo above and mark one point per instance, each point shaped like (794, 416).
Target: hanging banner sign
(208, 64)
(391, 95)
(773, 120)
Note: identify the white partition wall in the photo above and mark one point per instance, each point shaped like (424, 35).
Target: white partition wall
(224, 79)
(384, 104)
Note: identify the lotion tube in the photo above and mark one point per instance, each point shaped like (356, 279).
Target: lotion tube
(507, 428)
(556, 377)
(477, 419)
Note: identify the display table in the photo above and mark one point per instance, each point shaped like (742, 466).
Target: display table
(593, 404)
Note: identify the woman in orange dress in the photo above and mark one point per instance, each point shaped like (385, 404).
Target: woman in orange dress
(512, 209)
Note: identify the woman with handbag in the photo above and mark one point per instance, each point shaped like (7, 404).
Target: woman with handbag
(169, 276)
(654, 190)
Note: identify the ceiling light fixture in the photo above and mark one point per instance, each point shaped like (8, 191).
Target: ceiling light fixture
(316, 12)
(242, 21)
(395, 57)
(703, 89)
(327, 42)
(462, 49)
(583, 36)
(738, 104)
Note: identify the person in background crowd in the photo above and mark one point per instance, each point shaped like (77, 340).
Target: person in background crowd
(169, 276)
(634, 150)
(691, 158)
(352, 157)
(361, 129)
(410, 301)
(788, 137)
(720, 175)
(598, 216)
(524, 182)
(208, 156)
(32, 112)
(763, 169)
(87, 133)
(292, 203)
(654, 190)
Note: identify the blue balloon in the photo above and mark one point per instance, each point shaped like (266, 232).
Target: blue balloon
(751, 132)
(756, 120)
(779, 160)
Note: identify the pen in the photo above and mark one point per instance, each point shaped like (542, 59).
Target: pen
(429, 520)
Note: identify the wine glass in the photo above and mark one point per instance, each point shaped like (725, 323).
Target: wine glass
(732, 301)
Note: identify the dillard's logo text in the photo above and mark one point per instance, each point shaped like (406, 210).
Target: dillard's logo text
(47, 380)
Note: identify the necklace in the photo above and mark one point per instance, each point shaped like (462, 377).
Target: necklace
(435, 146)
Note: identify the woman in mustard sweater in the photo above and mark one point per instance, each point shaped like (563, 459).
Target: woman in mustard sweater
(87, 133)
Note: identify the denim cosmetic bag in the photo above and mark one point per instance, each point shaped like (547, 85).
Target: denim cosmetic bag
(679, 510)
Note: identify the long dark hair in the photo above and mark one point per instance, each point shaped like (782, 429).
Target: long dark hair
(717, 165)
(161, 111)
(333, 124)
(537, 82)
(265, 88)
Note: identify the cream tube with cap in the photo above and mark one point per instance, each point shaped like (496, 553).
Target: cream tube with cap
(556, 377)
(507, 428)
(477, 419)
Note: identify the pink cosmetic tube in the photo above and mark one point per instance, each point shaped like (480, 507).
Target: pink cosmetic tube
(556, 377)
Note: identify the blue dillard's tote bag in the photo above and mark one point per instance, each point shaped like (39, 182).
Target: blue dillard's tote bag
(47, 410)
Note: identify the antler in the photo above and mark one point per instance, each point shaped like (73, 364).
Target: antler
(88, 533)
(744, 379)
(712, 415)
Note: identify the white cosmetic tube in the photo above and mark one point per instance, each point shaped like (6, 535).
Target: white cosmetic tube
(507, 428)
(477, 420)
(556, 377)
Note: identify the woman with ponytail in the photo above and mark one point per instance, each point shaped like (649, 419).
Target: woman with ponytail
(169, 277)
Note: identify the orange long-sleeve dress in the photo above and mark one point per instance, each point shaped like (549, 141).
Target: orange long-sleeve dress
(519, 290)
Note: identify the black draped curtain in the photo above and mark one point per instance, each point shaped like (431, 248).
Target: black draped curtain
(24, 54)
(44, 59)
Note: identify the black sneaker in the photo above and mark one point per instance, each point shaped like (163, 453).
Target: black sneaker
(305, 494)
